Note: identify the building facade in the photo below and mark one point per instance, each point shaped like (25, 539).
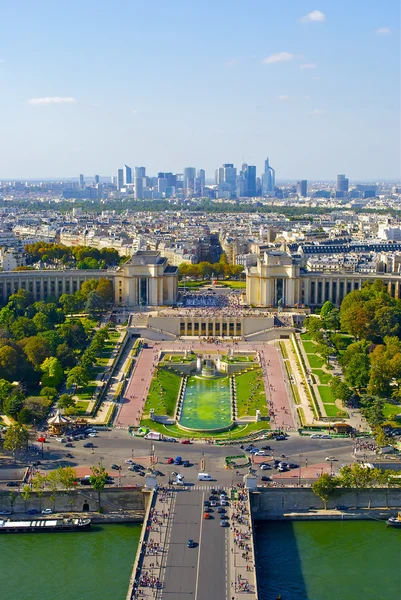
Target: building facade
(145, 280)
(278, 281)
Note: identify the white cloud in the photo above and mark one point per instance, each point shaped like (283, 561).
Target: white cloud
(308, 66)
(133, 111)
(279, 57)
(317, 111)
(231, 63)
(283, 97)
(383, 31)
(52, 100)
(314, 15)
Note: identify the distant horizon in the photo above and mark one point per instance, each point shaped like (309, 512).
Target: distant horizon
(209, 181)
(314, 88)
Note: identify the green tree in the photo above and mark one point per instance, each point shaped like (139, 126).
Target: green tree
(68, 303)
(104, 289)
(13, 404)
(16, 438)
(5, 391)
(326, 309)
(77, 376)
(36, 350)
(340, 389)
(94, 303)
(66, 401)
(357, 371)
(67, 477)
(23, 328)
(66, 356)
(38, 482)
(53, 373)
(98, 479)
(26, 493)
(380, 436)
(356, 477)
(8, 363)
(48, 392)
(42, 322)
(324, 487)
(332, 321)
(52, 482)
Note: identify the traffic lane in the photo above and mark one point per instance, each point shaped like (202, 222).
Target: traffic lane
(181, 567)
(212, 577)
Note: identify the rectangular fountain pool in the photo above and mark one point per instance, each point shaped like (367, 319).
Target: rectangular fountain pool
(206, 404)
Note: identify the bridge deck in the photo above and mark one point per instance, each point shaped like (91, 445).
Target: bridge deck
(220, 565)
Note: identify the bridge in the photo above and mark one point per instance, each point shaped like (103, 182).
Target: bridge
(221, 563)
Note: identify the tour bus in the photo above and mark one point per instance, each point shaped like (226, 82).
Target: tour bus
(204, 477)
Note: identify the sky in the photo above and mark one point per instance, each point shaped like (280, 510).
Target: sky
(87, 86)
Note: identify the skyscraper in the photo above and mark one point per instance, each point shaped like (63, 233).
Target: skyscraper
(97, 179)
(342, 184)
(200, 182)
(138, 187)
(120, 179)
(268, 179)
(189, 179)
(250, 181)
(230, 176)
(127, 175)
(81, 181)
(302, 187)
(140, 172)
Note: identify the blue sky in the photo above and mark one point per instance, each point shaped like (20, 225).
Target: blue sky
(87, 86)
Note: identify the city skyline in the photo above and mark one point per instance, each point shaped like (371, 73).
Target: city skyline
(316, 86)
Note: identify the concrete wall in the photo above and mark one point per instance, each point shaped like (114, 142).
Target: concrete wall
(269, 502)
(112, 499)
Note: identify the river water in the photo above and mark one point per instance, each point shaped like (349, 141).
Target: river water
(328, 560)
(89, 565)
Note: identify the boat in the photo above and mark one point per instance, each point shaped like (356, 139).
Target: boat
(44, 525)
(394, 521)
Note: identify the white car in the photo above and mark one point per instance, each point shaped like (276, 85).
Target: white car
(260, 453)
(223, 502)
(47, 511)
(129, 461)
(315, 436)
(330, 458)
(92, 434)
(264, 467)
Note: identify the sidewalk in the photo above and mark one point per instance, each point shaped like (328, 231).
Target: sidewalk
(149, 582)
(242, 573)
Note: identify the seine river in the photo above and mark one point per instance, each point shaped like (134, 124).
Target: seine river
(90, 565)
(328, 560)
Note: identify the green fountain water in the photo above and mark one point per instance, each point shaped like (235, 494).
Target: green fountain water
(206, 404)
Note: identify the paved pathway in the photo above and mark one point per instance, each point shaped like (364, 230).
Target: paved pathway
(138, 387)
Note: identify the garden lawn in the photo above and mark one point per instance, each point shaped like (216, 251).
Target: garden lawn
(306, 336)
(163, 393)
(238, 431)
(251, 394)
(324, 377)
(326, 394)
(331, 410)
(81, 407)
(391, 409)
(86, 393)
(315, 361)
(235, 285)
(309, 347)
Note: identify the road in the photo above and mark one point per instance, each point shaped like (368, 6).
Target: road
(117, 445)
(198, 573)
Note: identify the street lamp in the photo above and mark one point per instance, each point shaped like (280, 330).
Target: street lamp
(101, 461)
(300, 467)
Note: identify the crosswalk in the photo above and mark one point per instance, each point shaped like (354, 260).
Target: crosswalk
(208, 487)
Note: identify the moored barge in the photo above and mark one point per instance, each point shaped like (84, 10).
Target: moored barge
(44, 525)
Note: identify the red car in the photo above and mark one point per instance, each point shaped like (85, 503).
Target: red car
(185, 441)
(170, 461)
(41, 440)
